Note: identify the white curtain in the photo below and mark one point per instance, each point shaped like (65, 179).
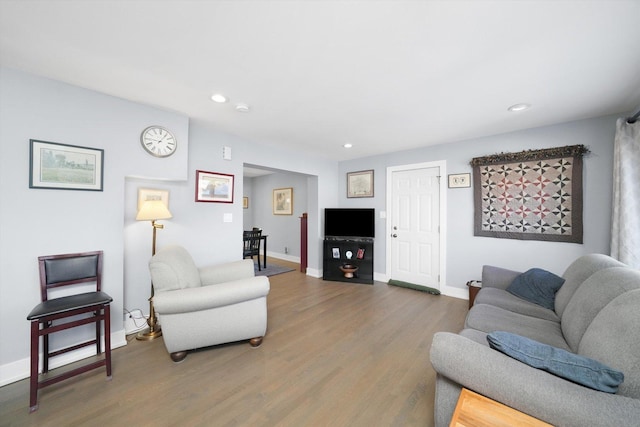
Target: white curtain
(625, 230)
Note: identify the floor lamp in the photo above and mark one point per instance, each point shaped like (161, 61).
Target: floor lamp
(152, 210)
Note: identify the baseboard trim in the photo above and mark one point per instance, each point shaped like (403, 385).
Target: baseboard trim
(20, 369)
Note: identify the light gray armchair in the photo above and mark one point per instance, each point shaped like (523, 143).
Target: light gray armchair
(201, 307)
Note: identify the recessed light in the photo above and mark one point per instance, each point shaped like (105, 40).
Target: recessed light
(216, 97)
(347, 145)
(243, 108)
(519, 107)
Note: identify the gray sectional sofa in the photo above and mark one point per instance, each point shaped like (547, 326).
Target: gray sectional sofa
(596, 315)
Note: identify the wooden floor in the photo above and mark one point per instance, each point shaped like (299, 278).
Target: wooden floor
(335, 354)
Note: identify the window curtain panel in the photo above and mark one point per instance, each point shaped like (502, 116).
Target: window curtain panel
(625, 231)
(530, 195)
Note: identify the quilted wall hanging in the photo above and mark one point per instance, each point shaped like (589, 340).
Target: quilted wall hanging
(530, 195)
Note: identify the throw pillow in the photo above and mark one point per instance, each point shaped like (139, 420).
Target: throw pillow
(537, 286)
(573, 367)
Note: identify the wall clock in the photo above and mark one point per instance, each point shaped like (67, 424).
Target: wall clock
(158, 141)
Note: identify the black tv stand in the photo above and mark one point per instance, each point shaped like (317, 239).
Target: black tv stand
(341, 251)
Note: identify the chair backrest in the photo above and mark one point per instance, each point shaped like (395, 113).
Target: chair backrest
(69, 269)
(172, 267)
(252, 240)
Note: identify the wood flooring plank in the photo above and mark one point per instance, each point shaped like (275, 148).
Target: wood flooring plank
(335, 353)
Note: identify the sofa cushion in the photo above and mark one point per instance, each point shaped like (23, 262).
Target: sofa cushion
(576, 368)
(577, 273)
(591, 297)
(503, 299)
(614, 339)
(488, 318)
(537, 286)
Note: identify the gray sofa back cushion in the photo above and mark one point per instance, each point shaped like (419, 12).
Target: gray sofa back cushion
(590, 298)
(577, 273)
(173, 268)
(613, 338)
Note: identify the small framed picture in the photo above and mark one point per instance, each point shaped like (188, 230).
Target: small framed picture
(335, 252)
(214, 187)
(150, 194)
(360, 184)
(283, 201)
(460, 180)
(360, 254)
(65, 167)
(245, 202)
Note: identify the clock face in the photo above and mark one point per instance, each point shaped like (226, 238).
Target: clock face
(158, 141)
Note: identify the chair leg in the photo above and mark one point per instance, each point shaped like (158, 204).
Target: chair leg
(178, 356)
(33, 379)
(255, 342)
(107, 339)
(259, 267)
(98, 328)
(45, 349)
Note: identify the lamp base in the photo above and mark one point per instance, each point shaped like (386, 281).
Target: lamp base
(148, 334)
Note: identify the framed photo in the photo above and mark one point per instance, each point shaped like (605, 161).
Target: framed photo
(245, 202)
(460, 180)
(360, 184)
(335, 252)
(214, 187)
(283, 201)
(150, 194)
(65, 167)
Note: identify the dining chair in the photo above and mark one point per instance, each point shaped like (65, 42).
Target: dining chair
(74, 272)
(251, 241)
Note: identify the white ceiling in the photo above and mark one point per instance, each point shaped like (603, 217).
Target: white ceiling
(382, 75)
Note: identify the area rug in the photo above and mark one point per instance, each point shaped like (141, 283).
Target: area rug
(402, 284)
(271, 270)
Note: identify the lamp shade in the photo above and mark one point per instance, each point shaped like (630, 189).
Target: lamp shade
(152, 210)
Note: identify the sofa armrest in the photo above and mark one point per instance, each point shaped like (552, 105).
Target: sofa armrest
(496, 277)
(529, 390)
(207, 297)
(228, 272)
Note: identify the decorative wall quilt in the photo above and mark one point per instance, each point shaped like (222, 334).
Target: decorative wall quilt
(530, 195)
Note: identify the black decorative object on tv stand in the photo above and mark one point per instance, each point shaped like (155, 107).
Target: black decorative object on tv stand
(336, 254)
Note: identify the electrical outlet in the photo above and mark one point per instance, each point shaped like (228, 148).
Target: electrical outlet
(134, 321)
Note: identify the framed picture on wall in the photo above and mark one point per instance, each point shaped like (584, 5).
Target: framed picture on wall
(150, 194)
(245, 202)
(459, 180)
(360, 184)
(65, 167)
(214, 187)
(283, 201)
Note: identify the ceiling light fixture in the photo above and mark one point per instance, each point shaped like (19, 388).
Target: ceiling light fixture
(216, 97)
(347, 145)
(243, 108)
(519, 107)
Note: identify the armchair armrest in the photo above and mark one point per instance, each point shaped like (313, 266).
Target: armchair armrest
(529, 390)
(496, 277)
(210, 275)
(207, 297)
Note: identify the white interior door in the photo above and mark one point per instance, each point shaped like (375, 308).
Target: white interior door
(414, 226)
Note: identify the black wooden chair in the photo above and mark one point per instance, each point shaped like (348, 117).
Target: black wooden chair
(251, 240)
(65, 270)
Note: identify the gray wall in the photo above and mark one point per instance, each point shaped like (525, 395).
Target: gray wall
(465, 253)
(37, 222)
(283, 230)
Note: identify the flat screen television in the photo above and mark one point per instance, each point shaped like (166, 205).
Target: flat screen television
(349, 222)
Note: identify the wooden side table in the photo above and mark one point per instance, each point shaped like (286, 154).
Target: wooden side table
(474, 288)
(474, 410)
